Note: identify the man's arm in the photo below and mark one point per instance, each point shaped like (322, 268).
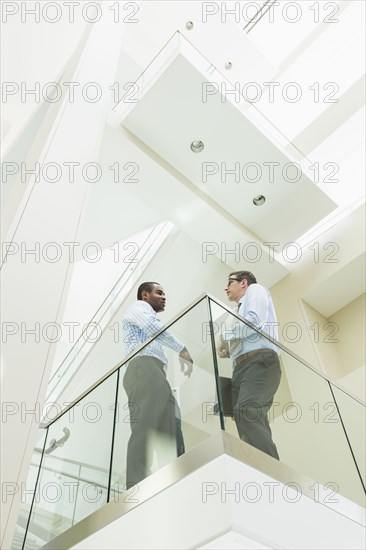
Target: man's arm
(254, 310)
(256, 306)
(142, 316)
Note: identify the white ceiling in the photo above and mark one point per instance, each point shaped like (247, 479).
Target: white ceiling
(308, 52)
(171, 114)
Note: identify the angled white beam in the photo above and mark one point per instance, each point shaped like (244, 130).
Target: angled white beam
(49, 212)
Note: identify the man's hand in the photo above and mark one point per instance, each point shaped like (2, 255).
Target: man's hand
(186, 362)
(222, 349)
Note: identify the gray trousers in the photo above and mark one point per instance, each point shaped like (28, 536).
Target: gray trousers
(254, 383)
(153, 411)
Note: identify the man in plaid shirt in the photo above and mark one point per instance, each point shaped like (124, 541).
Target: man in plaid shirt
(153, 408)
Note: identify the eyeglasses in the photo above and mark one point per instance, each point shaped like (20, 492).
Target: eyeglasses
(230, 281)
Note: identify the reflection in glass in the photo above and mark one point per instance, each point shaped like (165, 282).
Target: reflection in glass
(74, 477)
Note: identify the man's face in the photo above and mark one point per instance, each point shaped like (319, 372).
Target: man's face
(156, 298)
(235, 289)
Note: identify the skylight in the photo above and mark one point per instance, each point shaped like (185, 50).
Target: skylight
(320, 73)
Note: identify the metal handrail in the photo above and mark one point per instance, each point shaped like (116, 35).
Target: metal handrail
(166, 326)
(123, 362)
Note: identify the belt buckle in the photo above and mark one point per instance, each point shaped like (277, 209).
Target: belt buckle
(246, 355)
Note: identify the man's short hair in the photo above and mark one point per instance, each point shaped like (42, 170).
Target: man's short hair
(241, 275)
(145, 287)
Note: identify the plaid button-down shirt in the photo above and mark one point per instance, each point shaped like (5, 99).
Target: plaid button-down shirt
(139, 324)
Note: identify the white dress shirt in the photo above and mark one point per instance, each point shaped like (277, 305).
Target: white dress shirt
(255, 306)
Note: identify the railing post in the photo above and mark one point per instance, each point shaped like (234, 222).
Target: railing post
(345, 433)
(113, 437)
(35, 489)
(216, 367)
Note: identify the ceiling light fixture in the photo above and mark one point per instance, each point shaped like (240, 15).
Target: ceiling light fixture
(189, 25)
(259, 200)
(197, 146)
(228, 65)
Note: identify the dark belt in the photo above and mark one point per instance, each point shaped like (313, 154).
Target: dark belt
(245, 356)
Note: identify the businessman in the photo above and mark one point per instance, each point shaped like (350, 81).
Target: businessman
(153, 408)
(256, 367)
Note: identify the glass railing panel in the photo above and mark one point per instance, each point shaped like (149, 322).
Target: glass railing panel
(74, 474)
(353, 417)
(150, 425)
(303, 418)
(174, 412)
(27, 493)
(311, 420)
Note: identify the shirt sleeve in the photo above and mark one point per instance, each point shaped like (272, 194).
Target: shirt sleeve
(253, 309)
(145, 318)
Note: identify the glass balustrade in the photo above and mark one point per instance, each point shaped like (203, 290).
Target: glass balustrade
(193, 395)
(74, 472)
(28, 494)
(81, 464)
(305, 419)
(352, 415)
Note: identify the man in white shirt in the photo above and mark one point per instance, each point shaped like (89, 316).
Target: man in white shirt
(153, 408)
(257, 373)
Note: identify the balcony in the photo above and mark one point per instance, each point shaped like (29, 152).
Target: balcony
(77, 483)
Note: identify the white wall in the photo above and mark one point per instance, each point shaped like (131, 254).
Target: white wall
(355, 382)
(324, 337)
(34, 289)
(306, 277)
(351, 323)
